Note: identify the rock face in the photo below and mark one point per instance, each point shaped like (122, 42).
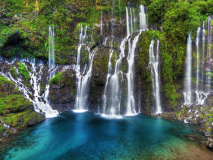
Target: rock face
(62, 92)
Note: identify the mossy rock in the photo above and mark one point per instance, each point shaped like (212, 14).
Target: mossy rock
(14, 103)
(23, 71)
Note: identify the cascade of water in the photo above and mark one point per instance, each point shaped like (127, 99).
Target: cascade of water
(101, 23)
(109, 74)
(130, 77)
(83, 85)
(112, 95)
(83, 78)
(187, 91)
(200, 94)
(4, 124)
(130, 59)
(203, 53)
(131, 20)
(154, 63)
(127, 22)
(143, 21)
(39, 103)
(51, 59)
(209, 52)
(198, 58)
(82, 41)
(112, 89)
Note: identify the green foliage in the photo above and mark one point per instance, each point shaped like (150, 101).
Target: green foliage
(210, 120)
(1, 127)
(56, 79)
(4, 80)
(13, 103)
(22, 119)
(2, 105)
(23, 70)
(201, 116)
(175, 19)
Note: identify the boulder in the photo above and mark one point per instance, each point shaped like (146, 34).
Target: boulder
(209, 143)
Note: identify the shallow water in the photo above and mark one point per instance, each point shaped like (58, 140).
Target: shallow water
(88, 136)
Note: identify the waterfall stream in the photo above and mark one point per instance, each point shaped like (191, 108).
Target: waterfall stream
(131, 110)
(83, 77)
(112, 92)
(200, 93)
(154, 63)
(209, 55)
(40, 102)
(187, 90)
(51, 59)
(203, 67)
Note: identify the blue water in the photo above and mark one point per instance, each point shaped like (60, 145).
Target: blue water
(88, 136)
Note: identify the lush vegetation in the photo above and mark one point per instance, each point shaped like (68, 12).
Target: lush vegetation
(4, 80)
(56, 79)
(175, 19)
(23, 70)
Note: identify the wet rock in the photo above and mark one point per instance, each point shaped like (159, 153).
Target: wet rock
(209, 143)
(5, 134)
(62, 94)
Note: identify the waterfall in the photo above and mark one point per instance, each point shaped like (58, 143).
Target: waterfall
(83, 86)
(154, 63)
(209, 54)
(112, 93)
(4, 124)
(131, 62)
(130, 77)
(203, 52)
(101, 23)
(200, 94)
(38, 100)
(127, 22)
(187, 90)
(131, 21)
(201, 80)
(111, 97)
(198, 59)
(83, 78)
(107, 80)
(51, 59)
(143, 21)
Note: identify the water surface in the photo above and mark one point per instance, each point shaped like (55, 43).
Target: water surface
(88, 136)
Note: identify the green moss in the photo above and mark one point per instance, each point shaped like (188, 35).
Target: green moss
(1, 127)
(207, 124)
(23, 70)
(4, 80)
(201, 116)
(22, 119)
(2, 105)
(56, 78)
(13, 103)
(210, 120)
